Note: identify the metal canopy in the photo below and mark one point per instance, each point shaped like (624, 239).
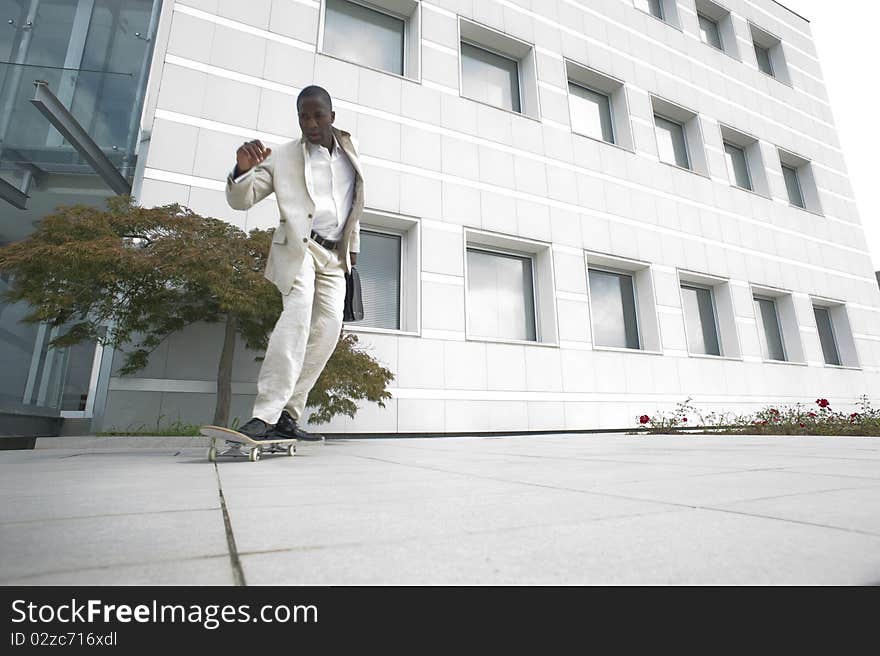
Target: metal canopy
(13, 195)
(58, 115)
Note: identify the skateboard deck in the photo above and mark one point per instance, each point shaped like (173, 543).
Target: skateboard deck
(237, 444)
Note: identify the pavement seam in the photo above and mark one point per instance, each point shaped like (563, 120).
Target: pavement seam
(452, 536)
(789, 520)
(235, 561)
(81, 517)
(98, 568)
(660, 502)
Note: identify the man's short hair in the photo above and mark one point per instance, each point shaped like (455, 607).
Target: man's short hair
(314, 91)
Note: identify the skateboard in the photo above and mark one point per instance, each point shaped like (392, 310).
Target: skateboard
(239, 445)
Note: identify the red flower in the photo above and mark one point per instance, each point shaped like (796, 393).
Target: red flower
(823, 403)
(774, 411)
(644, 419)
(801, 425)
(812, 414)
(684, 418)
(854, 415)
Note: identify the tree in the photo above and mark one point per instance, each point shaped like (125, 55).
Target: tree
(132, 276)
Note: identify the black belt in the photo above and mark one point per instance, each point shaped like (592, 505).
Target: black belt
(329, 244)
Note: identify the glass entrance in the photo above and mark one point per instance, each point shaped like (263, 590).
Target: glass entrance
(94, 56)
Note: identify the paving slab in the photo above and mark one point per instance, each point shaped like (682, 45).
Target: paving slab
(538, 509)
(693, 547)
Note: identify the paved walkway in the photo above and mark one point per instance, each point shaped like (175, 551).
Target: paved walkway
(597, 509)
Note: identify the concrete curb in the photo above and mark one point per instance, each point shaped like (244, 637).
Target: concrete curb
(161, 441)
(121, 441)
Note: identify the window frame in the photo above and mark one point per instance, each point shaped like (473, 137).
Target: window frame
(411, 32)
(401, 234)
(692, 128)
(491, 51)
(603, 268)
(408, 228)
(759, 49)
(618, 102)
(765, 347)
(662, 15)
(809, 190)
(509, 47)
(834, 339)
(732, 174)
(687, 284)
(799, 187)
(723, 19)
(609, 102)
(687, 149)
(727, 330)
(508, 252)
(647, 316)
(776, 57)
(756, 167)
(669, 13)
(701, 16)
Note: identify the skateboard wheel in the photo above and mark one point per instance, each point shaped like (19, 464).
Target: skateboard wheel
(291, 449)
(254, 455)
(212, 454)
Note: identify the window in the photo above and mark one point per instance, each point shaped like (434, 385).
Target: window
(709, 316)
(613, 305)
(764, 63)
(835, 334)
(716, 27)
(671, 143)
(622, 306)
(800, 185)
(679, 136)
(701, 325)
(501, 295)
(597, 105)
(490, 78)
(388, 264)
(383, 34)
(769, 54)
(509, 289)
(498, 70)
(768, 320)
(826, 335)
(736, 165)
(709, 32)
(653, 7)
(379, 264)
(793, 186)
(664, 10)
(590, 113)
(745, 163)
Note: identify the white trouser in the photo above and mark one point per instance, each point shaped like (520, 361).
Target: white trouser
(304, 336)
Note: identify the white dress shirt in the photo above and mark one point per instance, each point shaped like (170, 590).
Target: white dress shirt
(332, 188)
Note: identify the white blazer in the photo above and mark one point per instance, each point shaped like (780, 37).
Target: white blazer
(285, 173)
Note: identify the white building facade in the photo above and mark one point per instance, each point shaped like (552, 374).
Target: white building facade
(578, 211)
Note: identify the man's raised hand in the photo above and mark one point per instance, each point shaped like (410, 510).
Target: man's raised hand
(249, 154)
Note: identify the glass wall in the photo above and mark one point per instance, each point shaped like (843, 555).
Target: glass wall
(94, 56)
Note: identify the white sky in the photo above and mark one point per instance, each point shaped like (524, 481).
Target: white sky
(845, 33)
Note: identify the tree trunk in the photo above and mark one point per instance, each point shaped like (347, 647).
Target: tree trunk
(224, 374)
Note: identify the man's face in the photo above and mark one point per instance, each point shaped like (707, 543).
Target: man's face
(315, 121)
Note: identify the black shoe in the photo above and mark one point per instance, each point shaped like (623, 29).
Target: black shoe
(257, 429)
(286, 429)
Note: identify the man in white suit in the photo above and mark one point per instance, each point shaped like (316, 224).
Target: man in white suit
(319, 188)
